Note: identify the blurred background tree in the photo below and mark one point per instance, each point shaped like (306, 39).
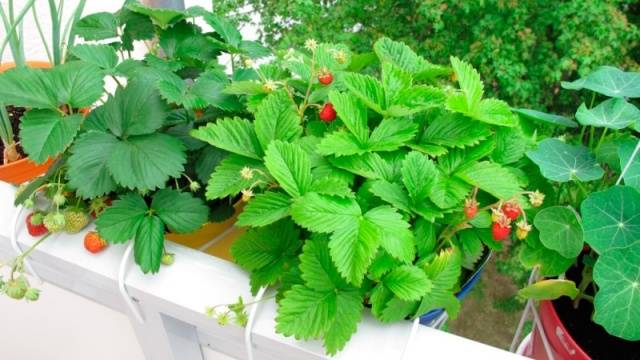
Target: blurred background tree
(523, 48)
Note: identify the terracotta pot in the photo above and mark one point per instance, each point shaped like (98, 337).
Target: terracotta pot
(23, 170)
(562, 345)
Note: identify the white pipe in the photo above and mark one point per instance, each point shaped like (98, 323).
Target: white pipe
(252, 316)
(122, 271)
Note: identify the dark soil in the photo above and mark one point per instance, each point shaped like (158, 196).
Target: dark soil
(15, 114)
(591, 337)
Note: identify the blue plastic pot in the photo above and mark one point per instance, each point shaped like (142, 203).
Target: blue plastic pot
(427, 318)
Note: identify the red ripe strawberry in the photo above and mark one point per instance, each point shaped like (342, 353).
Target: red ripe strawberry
(328, 113)
(94, 243)
(511, 210)
(470, 208)
(586, 248)
(35, 226)
(325, 78)
(500, 231)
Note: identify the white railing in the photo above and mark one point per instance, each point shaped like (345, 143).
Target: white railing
(172, 323)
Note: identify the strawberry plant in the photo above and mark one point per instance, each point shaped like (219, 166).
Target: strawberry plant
(366, 205)
(132, 151)
(592, 222)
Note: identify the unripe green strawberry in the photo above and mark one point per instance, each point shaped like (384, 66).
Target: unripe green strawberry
(54, 221)
(32, 294)
(59, 199)
(75, 219)
(167, 259)
(17, 289)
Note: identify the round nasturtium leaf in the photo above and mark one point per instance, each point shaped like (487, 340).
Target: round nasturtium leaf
(617, 302)
(611, 218)
(540, 116)
(560, 230)
(563, 162)
(549, 262)
(613, 114)
(609, 81)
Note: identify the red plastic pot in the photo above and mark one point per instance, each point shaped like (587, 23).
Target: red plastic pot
(562, 345)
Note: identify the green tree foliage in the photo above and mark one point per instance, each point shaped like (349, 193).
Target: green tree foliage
(519, 47)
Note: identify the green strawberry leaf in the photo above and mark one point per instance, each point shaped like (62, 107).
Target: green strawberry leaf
(391, 134)
(340, 143)
(609, 81)
(563, 162)
(47, 133)
(407, 282)
(277, 243)
(88, 173)
(613, 113)
(510, 146)
(324, 214)
(290, 166)
(353, 247)
(232, 134)
(495, 112)
(136, 109)
(415, 99)
(227, 180)
(392, 193)
(148, 246)
(100, 55)
(617, 302)
(443, 273)
(265, 209)
(492, 178)
(277, 119)
(454, 130)
(318, 271)
(366, 88)
(27, 87)
(560, 230)
(310, 314)
(471, 86)
(370, 165)
(225, 29)
(181, 212)
(394, 80)
(162, 17)
(611, 218)
(77, 84)
(98, 26)
(332, 185)
(401, 56)
(448, 192)
(119, 222)
(147, 161)
(397, 238)
(419, 175)
(353, 114)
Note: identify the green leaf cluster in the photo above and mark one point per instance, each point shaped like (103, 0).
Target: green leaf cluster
(366, 208)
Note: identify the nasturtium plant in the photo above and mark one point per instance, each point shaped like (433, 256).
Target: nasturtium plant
(380, 190)
(133, 148)
(594, 220)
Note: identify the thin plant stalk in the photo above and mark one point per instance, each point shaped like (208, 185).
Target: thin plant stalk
(68, 34)
(11, 27)
(41, 33)
(55, 33)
